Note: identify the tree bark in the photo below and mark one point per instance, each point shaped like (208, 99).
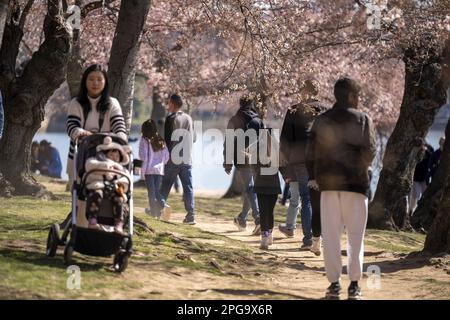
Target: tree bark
(424, 95)
(125, 46)
(235, 189)
(438, 238)
(430, 202)
(25, 98)
(3, 15)
(75, 66)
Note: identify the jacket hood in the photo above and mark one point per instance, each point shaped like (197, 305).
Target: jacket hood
(248, 112)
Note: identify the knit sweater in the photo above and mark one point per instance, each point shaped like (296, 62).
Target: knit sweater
(77, 125)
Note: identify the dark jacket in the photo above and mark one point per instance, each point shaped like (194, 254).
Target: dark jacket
(52, 161)
(266, 182)
(293, 139)
(436, 158)
(423, 167)
(341, 149)
(246, 118)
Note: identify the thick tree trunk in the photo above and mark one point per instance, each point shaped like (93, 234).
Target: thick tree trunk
(125, 46)
(25, 99)
(438, 238)
(428, 205)
(424, 95)
(3, 15)
(235, 189)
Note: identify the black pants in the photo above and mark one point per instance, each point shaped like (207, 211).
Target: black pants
(266, 203)
(315, 205)
(93, 203)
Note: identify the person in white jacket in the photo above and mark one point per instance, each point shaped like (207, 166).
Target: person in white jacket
(104, 170)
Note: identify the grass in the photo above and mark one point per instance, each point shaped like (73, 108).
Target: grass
(26, 272)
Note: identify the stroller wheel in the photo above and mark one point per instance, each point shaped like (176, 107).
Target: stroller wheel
(120, 261)
(52, 240)
(68, 252)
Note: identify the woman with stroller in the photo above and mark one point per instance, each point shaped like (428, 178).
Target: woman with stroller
(93, 111)
(106, 183)
(154, 155)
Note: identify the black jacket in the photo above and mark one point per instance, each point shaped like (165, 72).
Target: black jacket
(245, 119)
(340, 150)
(423, 167)
(293, 139)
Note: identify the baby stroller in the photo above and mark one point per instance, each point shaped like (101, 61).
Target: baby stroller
(76, 235)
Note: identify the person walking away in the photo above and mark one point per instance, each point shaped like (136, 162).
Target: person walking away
(293, 141)
(179, 125)
(248, 120)
(154, 155)
(342, 148)
(421, 177)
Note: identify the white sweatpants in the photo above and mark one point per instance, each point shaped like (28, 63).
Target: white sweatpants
(339, 209)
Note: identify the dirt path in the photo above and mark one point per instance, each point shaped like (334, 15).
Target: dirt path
(301, 274)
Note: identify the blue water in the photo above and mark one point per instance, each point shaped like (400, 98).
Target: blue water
(208, 173)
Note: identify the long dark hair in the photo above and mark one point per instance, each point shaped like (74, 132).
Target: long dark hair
(82, 98)
(150, 132)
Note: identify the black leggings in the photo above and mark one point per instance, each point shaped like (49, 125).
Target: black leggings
(94, 201)
(315, 205)
(266, 204)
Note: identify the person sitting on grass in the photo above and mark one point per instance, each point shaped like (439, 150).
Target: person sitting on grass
(105, 183)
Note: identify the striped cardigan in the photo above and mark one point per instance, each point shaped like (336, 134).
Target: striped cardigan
(76, 124)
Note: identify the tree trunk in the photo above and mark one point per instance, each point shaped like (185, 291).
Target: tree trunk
(158, 111)
(125, 46)
(424, 95)
(235, 189)
(26, 96)
(3, 15)
(438, 238)
(428, 205)
(75, 67)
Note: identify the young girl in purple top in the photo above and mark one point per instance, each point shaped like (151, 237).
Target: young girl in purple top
(154, 155)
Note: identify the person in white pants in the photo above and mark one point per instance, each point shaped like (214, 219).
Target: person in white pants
(340, 151)
(341, 209)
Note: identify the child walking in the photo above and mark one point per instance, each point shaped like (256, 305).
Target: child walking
(154, 155)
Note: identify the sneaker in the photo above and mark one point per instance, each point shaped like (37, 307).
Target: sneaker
(147, 211)
(241, 226)
(354, 292)
(286, 231)
(333, 291)
(264, 240)
(315, 248)
(257, 230)
(166, 213)
(305, 247)
(270, 237)
(189, 220)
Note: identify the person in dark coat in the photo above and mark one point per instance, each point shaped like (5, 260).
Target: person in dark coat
(247, 121)
(421, 177)
(49, 160)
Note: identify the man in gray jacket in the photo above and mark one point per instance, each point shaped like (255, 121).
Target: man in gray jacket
(341, 148)
(179, 125)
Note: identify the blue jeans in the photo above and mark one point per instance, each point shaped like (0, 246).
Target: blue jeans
(184, 171)
(155, 200)
(245, 175)
(300, 191)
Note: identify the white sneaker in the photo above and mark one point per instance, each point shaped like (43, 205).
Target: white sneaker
(315, 248)
(264, 241)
